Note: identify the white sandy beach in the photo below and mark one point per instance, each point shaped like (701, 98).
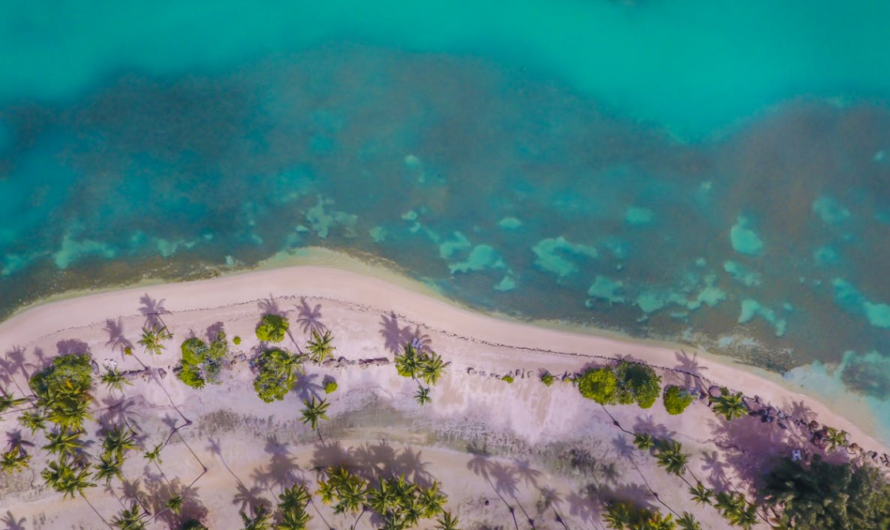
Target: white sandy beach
(252, 449)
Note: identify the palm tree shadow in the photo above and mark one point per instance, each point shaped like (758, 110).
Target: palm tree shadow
(152, 309)
(269, 306)
(72, 347)
(306, 388)
(393, 335)
(12, 523)
(309, 318)
(645, 424)
(281, 470)
(116, 338)
(482, 466)
(328, 454)
(716, 469)
(691, 370)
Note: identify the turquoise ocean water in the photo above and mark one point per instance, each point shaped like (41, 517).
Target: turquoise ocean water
(710, 172)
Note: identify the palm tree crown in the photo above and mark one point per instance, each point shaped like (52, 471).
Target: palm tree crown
(152, 339)
(729, 405)
(314, 411)
(320, 347)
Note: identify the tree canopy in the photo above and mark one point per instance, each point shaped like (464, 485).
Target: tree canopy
(202, 363)
(272, 328)
(63, 389)
(676, 400)
(599, 384)
(824, 496)
(277, 373)
(637, 383)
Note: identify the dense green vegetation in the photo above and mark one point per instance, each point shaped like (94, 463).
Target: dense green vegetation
(202, 363)
(624, 384)
(330, 387)
(824, 496)
(400, 503)
(272, 328)
(63, 390)
(276, 374)
(547, 378)
(507, 378)
(599, 384)
(676, 400)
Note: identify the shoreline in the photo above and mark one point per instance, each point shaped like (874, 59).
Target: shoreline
(387, 291)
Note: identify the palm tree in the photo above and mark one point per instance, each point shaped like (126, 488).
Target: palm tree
(447, 522)
(320, 347)
(62, 477)
(152, 339)
(431, 501)
(617, 515)
(63, 442)
(701, 494)
(734, 508)
(688, 522)
(115, 380)
(118, 441)
(423, 395)
(154, 455)
(729, 405)
(835, 438)
(383, 498)
(431, 368)
(174, 504)
(671, 457)
(408, 363)
(314, 411)
(109, 467)
(293, 508)
(7, 401)
(644, 441)
(259, 521)
(15, 460)
(129, 519)
(33, 421)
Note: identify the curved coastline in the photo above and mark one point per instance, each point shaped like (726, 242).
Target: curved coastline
(326, 275)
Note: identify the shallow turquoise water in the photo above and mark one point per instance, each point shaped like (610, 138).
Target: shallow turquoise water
(709, 172)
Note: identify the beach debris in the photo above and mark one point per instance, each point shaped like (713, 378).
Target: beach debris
(795, 455)
(714, 391)
(471, 370)
(854, 448)
(95, 366)
(162, 373)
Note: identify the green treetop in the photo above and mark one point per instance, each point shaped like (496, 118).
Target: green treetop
(63, 389)
(599, 384)
(272, 328)
(276, 374)
(676, 400)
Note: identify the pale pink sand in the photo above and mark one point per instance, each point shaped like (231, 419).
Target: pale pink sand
(352, 306)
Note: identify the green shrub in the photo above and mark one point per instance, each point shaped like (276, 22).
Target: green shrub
(507, 378)
(64, 388)
(599, 384)
(236, 340)
(637, 383)
(330, 387)
(676, 400)
(548, 379)
(201, 363)
(276, 374)
(272, 328)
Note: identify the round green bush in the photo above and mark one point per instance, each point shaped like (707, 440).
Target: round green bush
(548, 379)
(272, 328)
(676, 400)
(507, 378)
(236, 340)
(599, 384)
(330, 387)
